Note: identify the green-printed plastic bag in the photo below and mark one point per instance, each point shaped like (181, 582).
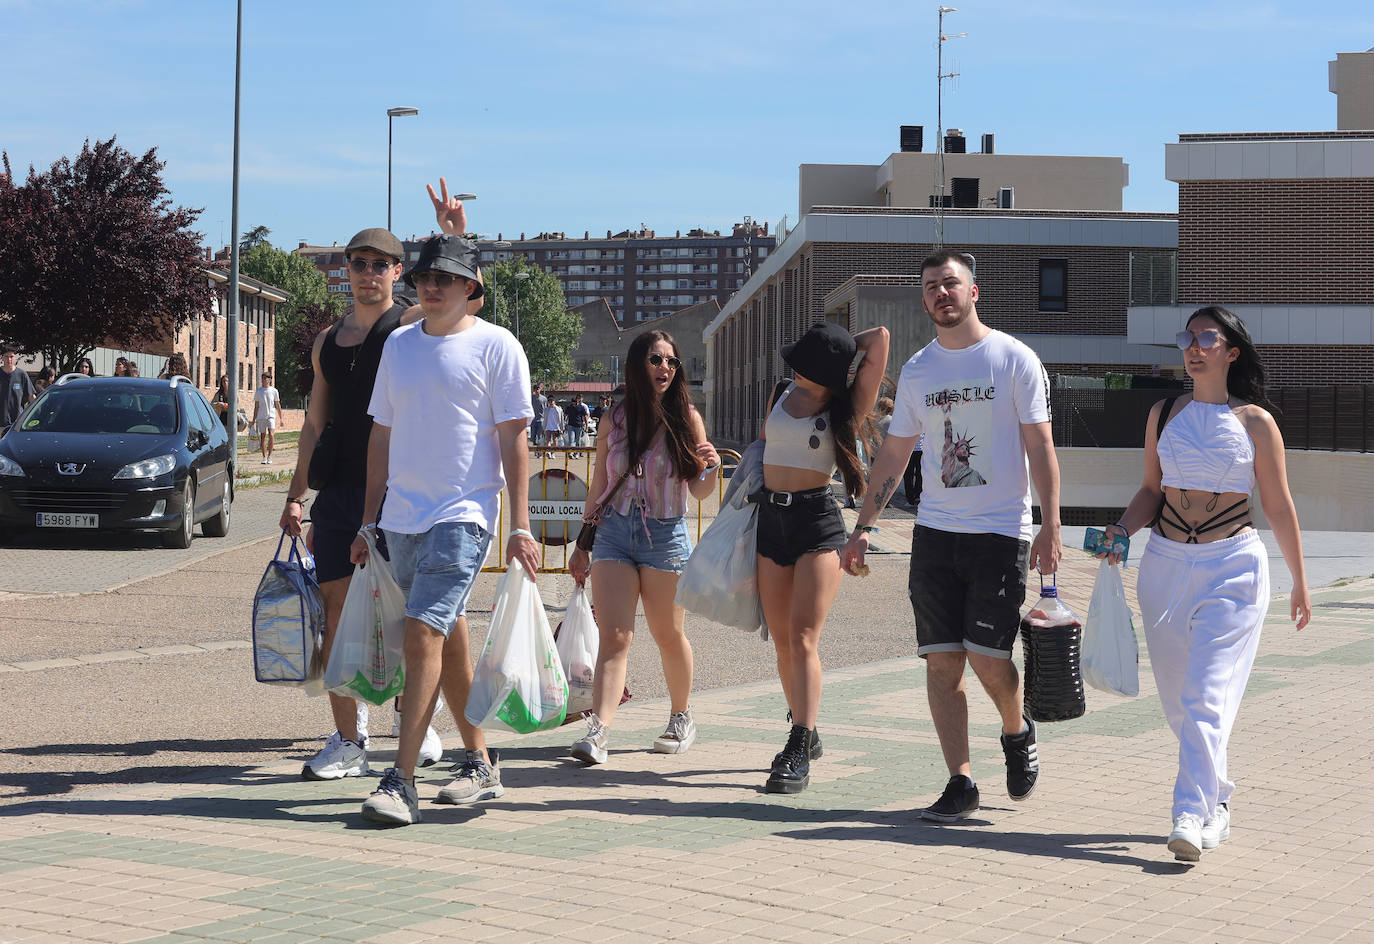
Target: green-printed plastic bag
(518, 683)
(367, 660)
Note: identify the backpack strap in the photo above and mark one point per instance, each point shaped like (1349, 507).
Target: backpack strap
(1164, 409)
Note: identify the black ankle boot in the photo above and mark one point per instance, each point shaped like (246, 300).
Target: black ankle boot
(792, 767)
(816, 749)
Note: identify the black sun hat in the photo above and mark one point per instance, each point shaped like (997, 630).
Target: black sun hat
(451, 254)
(822, 355)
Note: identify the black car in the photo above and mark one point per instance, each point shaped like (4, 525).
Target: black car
(118, 453)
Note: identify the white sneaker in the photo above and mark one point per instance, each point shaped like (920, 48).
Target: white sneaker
(396, 718)
(431, 749)
(681, 732)
(1217, 827)
(336, 760)
(592, 748)
(362, 723)
(1185, 842)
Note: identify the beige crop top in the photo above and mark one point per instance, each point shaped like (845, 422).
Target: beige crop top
(798, 442)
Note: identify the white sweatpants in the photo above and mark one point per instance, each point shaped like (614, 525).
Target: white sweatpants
(1203, 605)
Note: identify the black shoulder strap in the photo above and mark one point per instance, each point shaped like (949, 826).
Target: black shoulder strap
(1164, 416)
(778, 389)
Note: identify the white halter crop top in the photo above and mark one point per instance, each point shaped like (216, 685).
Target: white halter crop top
(799, 442)
(1205, 447)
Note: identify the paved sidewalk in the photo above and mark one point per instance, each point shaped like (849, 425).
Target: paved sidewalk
(687, 847)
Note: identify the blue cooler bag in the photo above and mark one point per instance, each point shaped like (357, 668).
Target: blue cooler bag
(288, 620)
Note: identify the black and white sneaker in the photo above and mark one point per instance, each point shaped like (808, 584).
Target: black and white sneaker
(1023, 762)
(959, 801)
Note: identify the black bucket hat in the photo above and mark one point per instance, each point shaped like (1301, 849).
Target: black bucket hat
(822, 355)
(452, 254)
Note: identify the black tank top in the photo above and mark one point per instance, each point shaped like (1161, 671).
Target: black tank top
(351, 373)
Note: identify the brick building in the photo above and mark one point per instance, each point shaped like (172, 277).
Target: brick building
(1280, 229)
(640, 275)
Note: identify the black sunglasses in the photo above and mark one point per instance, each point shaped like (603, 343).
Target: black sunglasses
(378, 266)
(441, 280)
(657, 360)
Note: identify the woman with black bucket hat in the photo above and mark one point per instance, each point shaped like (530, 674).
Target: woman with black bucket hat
(812, 428)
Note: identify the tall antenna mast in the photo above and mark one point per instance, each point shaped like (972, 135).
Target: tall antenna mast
(940, 76)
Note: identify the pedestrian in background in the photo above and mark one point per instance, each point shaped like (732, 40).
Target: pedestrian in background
(553, 422)
(266, 416)
(538, 403)
(1203, 583)
(16, 388)
(651, 453)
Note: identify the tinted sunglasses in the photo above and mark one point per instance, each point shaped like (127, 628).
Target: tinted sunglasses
(440, 280)
(658, 359)
(378, 266)
(1207, 337)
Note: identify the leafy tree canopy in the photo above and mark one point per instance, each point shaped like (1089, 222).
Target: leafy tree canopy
(548, 331)
(93, 252)
(257, 236)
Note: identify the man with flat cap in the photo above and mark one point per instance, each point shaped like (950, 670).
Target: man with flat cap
(333, 452)
(450, 410)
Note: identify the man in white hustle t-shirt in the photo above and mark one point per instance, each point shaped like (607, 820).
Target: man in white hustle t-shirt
(450, 408)
(980, 397)
(266, 416)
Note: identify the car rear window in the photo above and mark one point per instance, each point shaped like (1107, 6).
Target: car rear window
(78, 410)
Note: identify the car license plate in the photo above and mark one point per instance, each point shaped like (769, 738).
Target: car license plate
(48, 519)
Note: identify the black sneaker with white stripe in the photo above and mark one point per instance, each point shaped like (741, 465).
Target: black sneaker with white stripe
(1023, 762)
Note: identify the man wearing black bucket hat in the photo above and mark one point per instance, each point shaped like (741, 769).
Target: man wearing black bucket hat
(986, 395)
(450, 409)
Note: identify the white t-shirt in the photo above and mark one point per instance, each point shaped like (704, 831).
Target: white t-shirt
(442, 398)
(266, 402)
(970, 405)
(553, 418)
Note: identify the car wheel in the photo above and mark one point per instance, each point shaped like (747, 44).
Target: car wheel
(218, 526)
(181, 535)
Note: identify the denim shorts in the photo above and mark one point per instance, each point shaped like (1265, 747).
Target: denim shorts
(966, 591)
(437, 569)
(810, 523)
(656, 543)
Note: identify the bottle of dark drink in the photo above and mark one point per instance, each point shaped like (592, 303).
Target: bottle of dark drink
(1052, 639)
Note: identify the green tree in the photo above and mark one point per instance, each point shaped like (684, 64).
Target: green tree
(257, 236)
(309, 291)
(548, 331)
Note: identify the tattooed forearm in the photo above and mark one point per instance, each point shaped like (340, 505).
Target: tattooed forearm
(884, 493)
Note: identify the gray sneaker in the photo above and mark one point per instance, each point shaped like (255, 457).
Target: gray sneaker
(592, 748)
(476, 780)
(681, 732)
(394, 802)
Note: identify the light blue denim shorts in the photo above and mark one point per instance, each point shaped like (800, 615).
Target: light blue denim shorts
(656, 543)
(437, 569)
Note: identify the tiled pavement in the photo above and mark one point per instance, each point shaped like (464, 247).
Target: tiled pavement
(687, 847)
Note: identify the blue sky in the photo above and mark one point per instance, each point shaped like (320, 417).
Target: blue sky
(604, 115)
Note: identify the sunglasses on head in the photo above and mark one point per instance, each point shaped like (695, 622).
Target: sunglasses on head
(378, 266)
(1207, 337)
(658, 359)
(440, 280)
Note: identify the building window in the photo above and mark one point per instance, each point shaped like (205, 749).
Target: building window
(1054, 281)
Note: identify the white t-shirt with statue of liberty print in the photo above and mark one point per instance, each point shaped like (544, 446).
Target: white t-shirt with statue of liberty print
(970, 405)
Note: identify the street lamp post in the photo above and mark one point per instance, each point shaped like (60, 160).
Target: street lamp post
(391, 114)
(519, 277)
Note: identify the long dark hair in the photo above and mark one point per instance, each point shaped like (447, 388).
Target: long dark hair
(643, 413)
(1246, 376)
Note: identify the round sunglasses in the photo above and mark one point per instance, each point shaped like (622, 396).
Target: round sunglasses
(378, 266)
(658, 359)
(1207, 337)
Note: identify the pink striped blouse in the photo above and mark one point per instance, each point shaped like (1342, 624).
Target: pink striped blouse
(658, 489)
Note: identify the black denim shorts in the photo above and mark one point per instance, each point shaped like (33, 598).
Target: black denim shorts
(337, 513)
(811, 522)
(966, 591)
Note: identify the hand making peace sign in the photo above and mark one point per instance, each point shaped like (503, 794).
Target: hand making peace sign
(453, 219)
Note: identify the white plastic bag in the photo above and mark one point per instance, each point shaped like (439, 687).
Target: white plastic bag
(578, 642)
(518, 683)
(720, 581)
(1111, 658)
(367, 660)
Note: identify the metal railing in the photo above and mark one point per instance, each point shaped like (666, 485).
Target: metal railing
(564, 474)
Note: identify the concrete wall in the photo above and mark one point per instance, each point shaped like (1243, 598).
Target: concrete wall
(1352, 81)
(836, 185)
(1332, 491)
(1041, 182)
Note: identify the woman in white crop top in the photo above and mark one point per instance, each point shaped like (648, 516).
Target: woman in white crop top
(812, 428)
(1203, 583)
